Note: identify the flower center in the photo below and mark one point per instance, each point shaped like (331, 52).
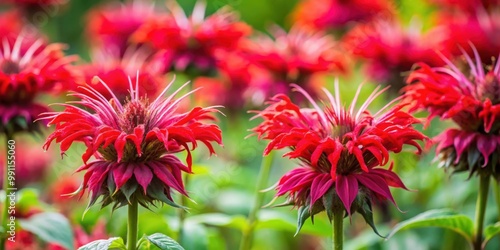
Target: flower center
(134, 114)
(490, 88)
(9, 67)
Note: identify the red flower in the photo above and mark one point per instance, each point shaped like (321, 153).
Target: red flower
(390, 51)
(113, 24)
(341, 151)
(134, 144)
(469, 7)
(29, 68)
(29, 170)
(10, 24)
(294, 57)
(35, 3)
(114, 69)
(334, 14)
(472, 101)
(481, 29)
(192, 41)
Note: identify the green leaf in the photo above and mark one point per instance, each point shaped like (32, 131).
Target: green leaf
(303, 215)
(365, 209)
(164, 242)
(115, 243)
(443, 218)
(490, 231)
(50, 227)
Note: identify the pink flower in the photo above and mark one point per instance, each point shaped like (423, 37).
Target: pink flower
(471, 99)
(134, 144)
(193, 41)
(342, 151)
(481, 29)
(338, 14)
(294, 57)
(114, 69)
(28, 69)
(32, 163)
(113, 24)
(390, 51)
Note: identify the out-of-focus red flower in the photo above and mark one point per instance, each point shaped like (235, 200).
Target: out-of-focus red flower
(472, 100)
(335, 14)
(115, 69)
(390, 51)
(294, 57)
(233, 87)
(134, 143)
(469, 7)
(31, 163)
(193, 41)
(29, 68)
(341, 150)
(112, 25)
(35, 3)
(10, 24)
(62, 188)
(481, 29)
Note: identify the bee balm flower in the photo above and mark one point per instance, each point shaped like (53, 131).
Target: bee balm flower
(134, 144)
(341, 152)
(29, 68)
(472, 101)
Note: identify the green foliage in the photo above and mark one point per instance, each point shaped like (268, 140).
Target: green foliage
(443, 218)
(115, 243)
(50, 227)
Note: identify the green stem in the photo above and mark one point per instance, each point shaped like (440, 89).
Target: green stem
(338, 231)
(496, 190)
(265, 169)
(5, 211)
(133, 209)
(482, 197)
(182, 212)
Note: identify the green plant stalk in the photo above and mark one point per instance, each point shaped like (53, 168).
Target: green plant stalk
(482, 197)
(496, 191)
(133, 209)
(338, 231)
(5, 211)
(182, 212)
(265, 169)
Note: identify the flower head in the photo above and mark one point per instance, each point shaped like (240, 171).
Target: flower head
(29, 68)
(193, 41)
(390, 50)
(134, 143)
(335, 14)
(481, 29)
(471, 99)
(31, 169)
(113, 24)
(342, 151)
(294, 57)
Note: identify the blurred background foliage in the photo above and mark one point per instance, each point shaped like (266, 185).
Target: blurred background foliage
(222, 187)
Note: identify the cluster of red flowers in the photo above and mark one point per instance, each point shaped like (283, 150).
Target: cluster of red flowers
(374, 33)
